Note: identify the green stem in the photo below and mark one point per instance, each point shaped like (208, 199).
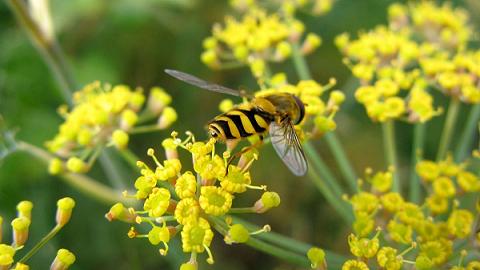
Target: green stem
(334, 260)
(345, 167)
(278, 252)
(322, 169)
(82, 183)
(388, 129)
(48, 47)
(448, 128)
(299, 62)
(466, 139)
(130, 158)
(40, 244)
(326, 183)
(241, 210)
(333, 143)
(417, 155)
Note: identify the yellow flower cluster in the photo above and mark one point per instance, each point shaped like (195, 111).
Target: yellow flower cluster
(389, 88)
(20, 230)
(103, 116)
(319, 113)
(443, 26)
(192, 202)
(422, 47)
(254, 40)
(447, 180)
(316, 7)
(431, 238)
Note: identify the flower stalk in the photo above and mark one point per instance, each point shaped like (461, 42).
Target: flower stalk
(417, 155)
(41, 243)
(333, 143)
(388, 130)
(48, 47)
(86, 185)
(276, 251)
(466, 139)
(448, 128)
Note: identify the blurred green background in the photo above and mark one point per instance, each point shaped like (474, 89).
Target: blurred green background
(132, 42)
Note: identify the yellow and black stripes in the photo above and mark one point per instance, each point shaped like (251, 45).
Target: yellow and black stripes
(239, 123)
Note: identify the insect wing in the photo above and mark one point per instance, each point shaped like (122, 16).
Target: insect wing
(288, 147)
(190, 79)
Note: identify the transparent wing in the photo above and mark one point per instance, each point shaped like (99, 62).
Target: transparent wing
(201, 83)
(285, 141)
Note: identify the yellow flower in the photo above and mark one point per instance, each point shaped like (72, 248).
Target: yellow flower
(387, 258)
(214, 200)
(428, 170)
(363, 224)
(363, 247)
(437, 204)
(382, 181)
(196, 235)
(354, 265)
(468, 181)
(187, 209)
(444, 187)
(159, 235)
(6, 255)
(392, 201)
(460, 223)
(437, 251)
(157, 202)
(364, 202)
(399, 232)
(410, 214)
(236, 181)
(186, 185)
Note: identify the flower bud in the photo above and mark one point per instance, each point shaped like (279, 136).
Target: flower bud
(6, 256)
(317, 257)
(24, 209)
(64, 210)
(226, 105)
(84, 137)
(120, 139)
(120, 212)
(76, 165)
(169, 115)
(158, 100)
(237, 234)
(189, 266)
(312, 41)
(267, 201)
(324, 124)
(20, 227)
(257, 67)
(170, 148)
(209, 58)
(63, 260)
(55, 166)
(21, 266)
(283, 51)
(129, 119)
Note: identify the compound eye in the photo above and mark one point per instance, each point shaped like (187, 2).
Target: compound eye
(213, 134)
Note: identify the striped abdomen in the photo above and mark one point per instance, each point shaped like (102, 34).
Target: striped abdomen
(239, 123)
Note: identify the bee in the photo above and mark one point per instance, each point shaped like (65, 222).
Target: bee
(275, 114)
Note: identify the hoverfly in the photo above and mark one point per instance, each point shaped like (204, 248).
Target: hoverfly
(273, 113)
